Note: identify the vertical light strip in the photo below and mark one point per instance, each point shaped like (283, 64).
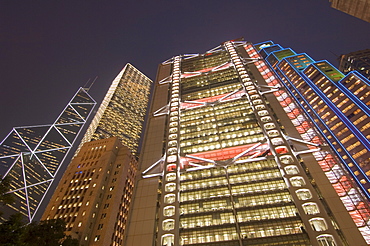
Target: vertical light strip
(279, 146)
(168, 233)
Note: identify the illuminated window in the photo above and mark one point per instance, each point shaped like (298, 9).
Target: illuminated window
(172, 143)
(277, 141)
(170, 187)
(170, 176)
(310, 208)
(170, 198)
(168, 240)
(269, 126)
(297, 181)
(291, 169)
(286, 159)
(169, 211)
(266, 119)
(273, 133)
(168, 225)
(172, 151)
(172, 158)
(304, 194)
(318, 224)
(281, 150)
(263, 113)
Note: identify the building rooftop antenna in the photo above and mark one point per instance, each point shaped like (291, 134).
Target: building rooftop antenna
(88, 87)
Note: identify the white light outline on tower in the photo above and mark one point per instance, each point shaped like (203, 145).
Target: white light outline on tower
(222, 99)
(165, 80)
(33, 151)
(162, 111)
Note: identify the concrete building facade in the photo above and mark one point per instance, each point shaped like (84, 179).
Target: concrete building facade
(94, 194)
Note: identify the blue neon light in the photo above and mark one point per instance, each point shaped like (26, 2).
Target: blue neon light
(323, 123)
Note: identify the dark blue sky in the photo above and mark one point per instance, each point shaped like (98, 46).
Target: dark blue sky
(50, 48)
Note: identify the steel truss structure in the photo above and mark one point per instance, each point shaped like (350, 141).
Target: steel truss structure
(32, 155)
(225, 148)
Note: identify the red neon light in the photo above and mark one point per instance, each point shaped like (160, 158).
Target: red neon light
(185, 105)
(316, 140)
(273, 83)
(228, 153)
(357, 218)
(185, 75)
(361, 215)
(281, 150)
(339, 189)
(364, 211)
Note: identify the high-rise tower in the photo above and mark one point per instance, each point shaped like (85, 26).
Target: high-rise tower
(32, 155)
(338, 104)
(356, 61)
(356, 8)
(122, 112)
(229, 158)
(94, 194)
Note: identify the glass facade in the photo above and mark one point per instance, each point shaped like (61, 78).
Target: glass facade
(239, 158)
(339, 106)
(31, 156)
(356, 61)
(122, 112)
(228, 203)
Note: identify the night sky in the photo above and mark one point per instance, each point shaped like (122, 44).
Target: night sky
(48, 49)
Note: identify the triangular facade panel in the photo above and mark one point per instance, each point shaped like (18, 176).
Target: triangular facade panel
(69, 116)
(69, 131)
(35, 172)
(12, 145)
(6, 163)
(53, 140)
(16, 175)
(35, 195)
(52, 159)
(82, 97)
(20, 204)
(32, 135)
(30, 156)
(83, 109)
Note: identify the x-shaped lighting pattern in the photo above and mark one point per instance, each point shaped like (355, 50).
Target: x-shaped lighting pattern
(157, 168)
(31, 156)
(223, 163)
(206, 71)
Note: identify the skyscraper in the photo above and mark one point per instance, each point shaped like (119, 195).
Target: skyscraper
(94, 194)
(230, 158)
(337, 104)
(356, 8)
(32, 155)
(122, 112)
(356, 61)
